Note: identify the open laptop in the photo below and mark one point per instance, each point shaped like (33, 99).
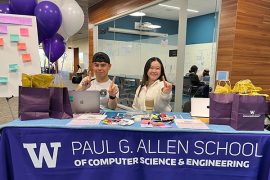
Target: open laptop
(200, 107)
(84, 101)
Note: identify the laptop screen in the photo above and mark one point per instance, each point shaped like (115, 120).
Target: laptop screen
(85, 101)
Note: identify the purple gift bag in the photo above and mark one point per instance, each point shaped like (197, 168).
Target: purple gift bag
(60, 106)
(220, 108)
(268, 107)
(248, 112)
(34, 103)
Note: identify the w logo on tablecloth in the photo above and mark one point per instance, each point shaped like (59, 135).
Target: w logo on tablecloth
(43, 154)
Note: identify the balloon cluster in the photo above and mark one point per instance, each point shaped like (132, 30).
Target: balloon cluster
(57, 20)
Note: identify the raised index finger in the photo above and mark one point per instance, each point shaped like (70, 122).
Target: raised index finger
(90, 76)
(113, 80)
(164, 81)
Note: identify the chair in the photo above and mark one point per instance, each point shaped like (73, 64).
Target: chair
(188, 88)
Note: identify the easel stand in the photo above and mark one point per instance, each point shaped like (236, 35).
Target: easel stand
(7, 99)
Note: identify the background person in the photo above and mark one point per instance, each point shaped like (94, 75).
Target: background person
(154, 89)
(195, 81)
(109, 92)
(205, 75)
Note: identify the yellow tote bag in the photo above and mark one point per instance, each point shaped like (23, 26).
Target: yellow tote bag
(37, 80)
(223, 89)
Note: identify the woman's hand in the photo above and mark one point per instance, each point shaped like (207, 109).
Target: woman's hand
(167, 86)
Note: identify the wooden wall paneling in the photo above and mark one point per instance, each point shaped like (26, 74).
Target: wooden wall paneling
(252, 48)
(110, 8)
(76, 59)
(250, 58)
(226, 35)
(76, 62)
(91, 48)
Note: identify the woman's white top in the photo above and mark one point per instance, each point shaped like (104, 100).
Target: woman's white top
(154, 91)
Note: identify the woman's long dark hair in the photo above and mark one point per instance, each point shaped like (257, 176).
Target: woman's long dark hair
(146, 69)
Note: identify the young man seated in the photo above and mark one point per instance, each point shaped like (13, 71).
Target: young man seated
(109, 92)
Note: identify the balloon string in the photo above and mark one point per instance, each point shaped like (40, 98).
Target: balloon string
(49, 56)
(44, 64)
(64, 57)
(60, 73)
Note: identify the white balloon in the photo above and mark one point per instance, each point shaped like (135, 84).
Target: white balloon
(72, 17)
(59, 3)
(62, 32)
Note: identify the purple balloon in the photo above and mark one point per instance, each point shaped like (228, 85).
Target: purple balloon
(49, 19)
(4, 8)
(54, 47)
(41, 34)
(24, 7)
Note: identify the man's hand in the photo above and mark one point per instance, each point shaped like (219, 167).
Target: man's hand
(86, 81)
(113, 89)
(167, 86)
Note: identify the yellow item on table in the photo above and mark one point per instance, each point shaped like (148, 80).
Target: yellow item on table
(245, 87)
(223, 89)
(37, 80)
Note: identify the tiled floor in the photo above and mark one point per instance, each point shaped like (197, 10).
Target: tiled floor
(5, 114)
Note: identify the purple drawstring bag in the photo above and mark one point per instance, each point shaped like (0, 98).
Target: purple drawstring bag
(34, 103)
(248, 112)
(60, 106)
(220, 108)
(268, 107)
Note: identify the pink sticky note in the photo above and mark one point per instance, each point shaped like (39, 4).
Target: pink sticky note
(26, 57)
(3, 29)
(24, 32)
(2, 42)
(21, 46)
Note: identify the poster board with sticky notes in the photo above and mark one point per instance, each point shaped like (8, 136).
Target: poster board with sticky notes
(18, 51)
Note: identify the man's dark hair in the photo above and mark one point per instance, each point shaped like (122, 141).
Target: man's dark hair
(193, 69)
(101, 57)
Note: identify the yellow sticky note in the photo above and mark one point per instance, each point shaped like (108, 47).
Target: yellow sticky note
(26, 57)
(2, 42)
(21, 46)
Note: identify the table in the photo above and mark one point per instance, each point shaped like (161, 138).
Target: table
(48, 149)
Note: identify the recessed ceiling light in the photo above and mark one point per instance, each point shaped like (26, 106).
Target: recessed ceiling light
(137, 14)
(192, 10)
(153, 26)
(168, 6)
(177, 8)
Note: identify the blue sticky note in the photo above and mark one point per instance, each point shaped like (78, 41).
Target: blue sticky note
(14, 38)
(222, 75)
(3, 80)
(13, 67)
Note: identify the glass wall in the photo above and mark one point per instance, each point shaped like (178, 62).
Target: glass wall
(131, 40)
